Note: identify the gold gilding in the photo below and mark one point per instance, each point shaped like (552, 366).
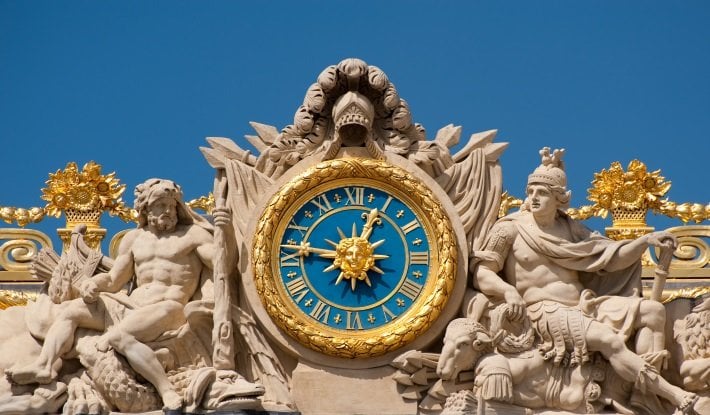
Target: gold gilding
(84, 195)
(628, 196)
(21, 216)
(11, 298)
(355, 343)
(17, 251)
(205, 203)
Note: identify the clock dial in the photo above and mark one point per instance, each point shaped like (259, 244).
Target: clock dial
(354, 258)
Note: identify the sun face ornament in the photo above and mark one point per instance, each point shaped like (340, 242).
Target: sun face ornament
(354, 256)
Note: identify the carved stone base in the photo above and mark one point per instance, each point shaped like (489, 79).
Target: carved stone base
(325, 390)
(245, 412)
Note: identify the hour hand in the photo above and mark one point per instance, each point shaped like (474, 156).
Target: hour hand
(305, 249)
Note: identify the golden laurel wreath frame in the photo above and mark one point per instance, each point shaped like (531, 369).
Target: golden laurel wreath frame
(356, 343)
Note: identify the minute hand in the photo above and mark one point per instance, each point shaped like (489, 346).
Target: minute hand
(305, 248)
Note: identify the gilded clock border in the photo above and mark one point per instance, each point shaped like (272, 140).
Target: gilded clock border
(370, 343)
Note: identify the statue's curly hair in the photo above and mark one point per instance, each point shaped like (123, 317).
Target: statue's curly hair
(153, 189)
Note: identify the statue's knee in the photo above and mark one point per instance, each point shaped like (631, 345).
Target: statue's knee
(653, 315)
(606, 339)
(116, 338)
(71, 313)
(616, 343)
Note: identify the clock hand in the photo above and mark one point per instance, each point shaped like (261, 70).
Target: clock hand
(305, 249)
(371, 219)
(354, 256)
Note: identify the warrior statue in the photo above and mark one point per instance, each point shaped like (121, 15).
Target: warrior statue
(550, 267)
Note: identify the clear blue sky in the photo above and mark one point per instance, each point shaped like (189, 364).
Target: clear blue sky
(137, 85)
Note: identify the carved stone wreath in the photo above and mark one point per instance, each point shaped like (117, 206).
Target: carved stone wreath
(340, 343)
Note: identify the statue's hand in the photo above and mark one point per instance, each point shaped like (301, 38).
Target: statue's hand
(222, 216)
(89, 291)
(516, 305)
(662, 239)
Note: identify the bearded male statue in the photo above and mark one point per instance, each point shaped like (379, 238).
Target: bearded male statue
(165, 256)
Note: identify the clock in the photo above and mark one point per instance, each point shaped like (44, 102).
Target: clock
(354, 257)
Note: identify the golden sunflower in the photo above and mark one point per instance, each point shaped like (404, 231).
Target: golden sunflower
(635, 188)
(85, 190)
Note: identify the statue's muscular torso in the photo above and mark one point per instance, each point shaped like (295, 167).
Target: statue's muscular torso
(167, 267)
(535, 276)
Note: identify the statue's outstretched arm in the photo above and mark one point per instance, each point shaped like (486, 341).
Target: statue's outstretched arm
(116, 278)
(631, 252)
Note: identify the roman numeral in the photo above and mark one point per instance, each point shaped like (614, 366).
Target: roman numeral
(289, 260)
(419, 258)
(386, 311)
(320, 312)
(322, 203)
(410, 226)
(297, 288)
(410, 289)
(353, 322)
(356, 197)
(301, 229)
(386, 205)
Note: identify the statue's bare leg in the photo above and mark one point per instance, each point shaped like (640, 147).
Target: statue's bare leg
(143, 325)
(58, 341)
(631, 367)
(650, 326)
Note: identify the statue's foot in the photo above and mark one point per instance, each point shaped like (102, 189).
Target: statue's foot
(171, 402)
(31, 374)
(687, 404)
(49, 398)
(102, 344)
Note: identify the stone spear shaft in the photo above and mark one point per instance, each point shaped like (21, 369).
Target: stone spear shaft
(223, 331)
(659, 280)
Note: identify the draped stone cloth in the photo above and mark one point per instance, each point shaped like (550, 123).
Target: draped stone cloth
(610, 297)
(587, 252)
(255, 357)
(474, 186)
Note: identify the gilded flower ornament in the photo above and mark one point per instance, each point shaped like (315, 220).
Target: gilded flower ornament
(86, 190)
(635, 188)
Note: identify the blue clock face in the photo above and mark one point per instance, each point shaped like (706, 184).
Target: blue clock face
(353, 256)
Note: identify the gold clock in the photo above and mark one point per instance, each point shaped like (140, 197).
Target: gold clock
(354, 258)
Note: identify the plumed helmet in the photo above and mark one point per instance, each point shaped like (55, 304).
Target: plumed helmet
(551, 169)
(353, 108)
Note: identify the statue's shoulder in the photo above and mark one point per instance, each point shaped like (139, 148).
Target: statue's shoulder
(578, 229)
(129, 239)
(197, 234)
(502, 234)
(507, 226)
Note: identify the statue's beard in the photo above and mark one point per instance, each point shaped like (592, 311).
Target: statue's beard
(163, 222)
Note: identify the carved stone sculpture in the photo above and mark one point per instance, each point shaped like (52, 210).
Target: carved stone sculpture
(338, 255)
(99, 343)
(353, 146)
(693, 336)
(353, 111)
(542, 273)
